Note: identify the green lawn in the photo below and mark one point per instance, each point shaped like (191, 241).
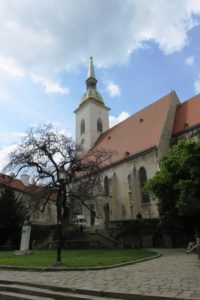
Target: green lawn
(74, 258)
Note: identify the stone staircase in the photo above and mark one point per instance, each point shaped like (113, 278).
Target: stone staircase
(45, 244)
(105, 240)
(91, 238)
(97, 238)
(28, 291)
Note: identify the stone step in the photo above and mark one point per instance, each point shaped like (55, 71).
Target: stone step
(16, 296)
(28, 292)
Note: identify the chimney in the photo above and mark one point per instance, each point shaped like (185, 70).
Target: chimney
(24, 179)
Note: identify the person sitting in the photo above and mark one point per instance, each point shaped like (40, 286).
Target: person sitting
(192, 246)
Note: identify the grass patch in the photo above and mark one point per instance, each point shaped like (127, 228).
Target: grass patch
(74, 258)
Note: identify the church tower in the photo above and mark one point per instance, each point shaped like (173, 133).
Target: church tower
(92, 116)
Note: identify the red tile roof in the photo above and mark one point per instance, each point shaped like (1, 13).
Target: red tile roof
(13, 183)
(187, 115)
(16, 184)
(138, 133)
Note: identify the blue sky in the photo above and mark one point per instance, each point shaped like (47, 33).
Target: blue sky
(141, 50)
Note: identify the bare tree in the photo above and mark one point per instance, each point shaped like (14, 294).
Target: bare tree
(51, 159)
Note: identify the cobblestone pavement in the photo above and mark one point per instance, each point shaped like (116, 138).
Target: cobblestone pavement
(175, 274)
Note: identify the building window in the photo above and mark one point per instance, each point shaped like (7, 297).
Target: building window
(130, 191)
(82, 126)
(143, 179)
(110, 187)
(106, 186)
(99, 125)
(129, 183)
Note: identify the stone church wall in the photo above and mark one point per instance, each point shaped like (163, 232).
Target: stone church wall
(125, 199)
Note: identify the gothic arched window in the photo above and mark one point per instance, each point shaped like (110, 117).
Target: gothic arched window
(82, 126)
(129, 182)
(99, 125)
(106, 186)
(130, 192)
(143, 179)
(110, 187)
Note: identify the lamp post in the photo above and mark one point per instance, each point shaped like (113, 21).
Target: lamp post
(60, 197)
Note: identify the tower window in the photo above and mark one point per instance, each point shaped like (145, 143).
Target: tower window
(82, 126)
(99, 125)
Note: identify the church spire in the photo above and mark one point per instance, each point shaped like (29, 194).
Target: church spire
(91, 82)
(91, 73)
(91, 79)
(92, 115)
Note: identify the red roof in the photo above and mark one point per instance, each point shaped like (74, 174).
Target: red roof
(16, 184)
(13, 183)
(138, 133)
(187, 115)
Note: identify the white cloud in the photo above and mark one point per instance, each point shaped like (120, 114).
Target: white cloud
(50, 87)
(189, 60)
(115, 120)
(4, 155)
(113, 89)
(58, 127)
(197, 85)
(8, 137)
(44, 38)
(8, 66)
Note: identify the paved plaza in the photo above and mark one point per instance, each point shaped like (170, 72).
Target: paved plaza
(174, 274)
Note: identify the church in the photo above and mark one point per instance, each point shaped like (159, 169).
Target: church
(137, 144)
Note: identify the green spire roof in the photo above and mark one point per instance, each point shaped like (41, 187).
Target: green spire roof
(91, 82)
